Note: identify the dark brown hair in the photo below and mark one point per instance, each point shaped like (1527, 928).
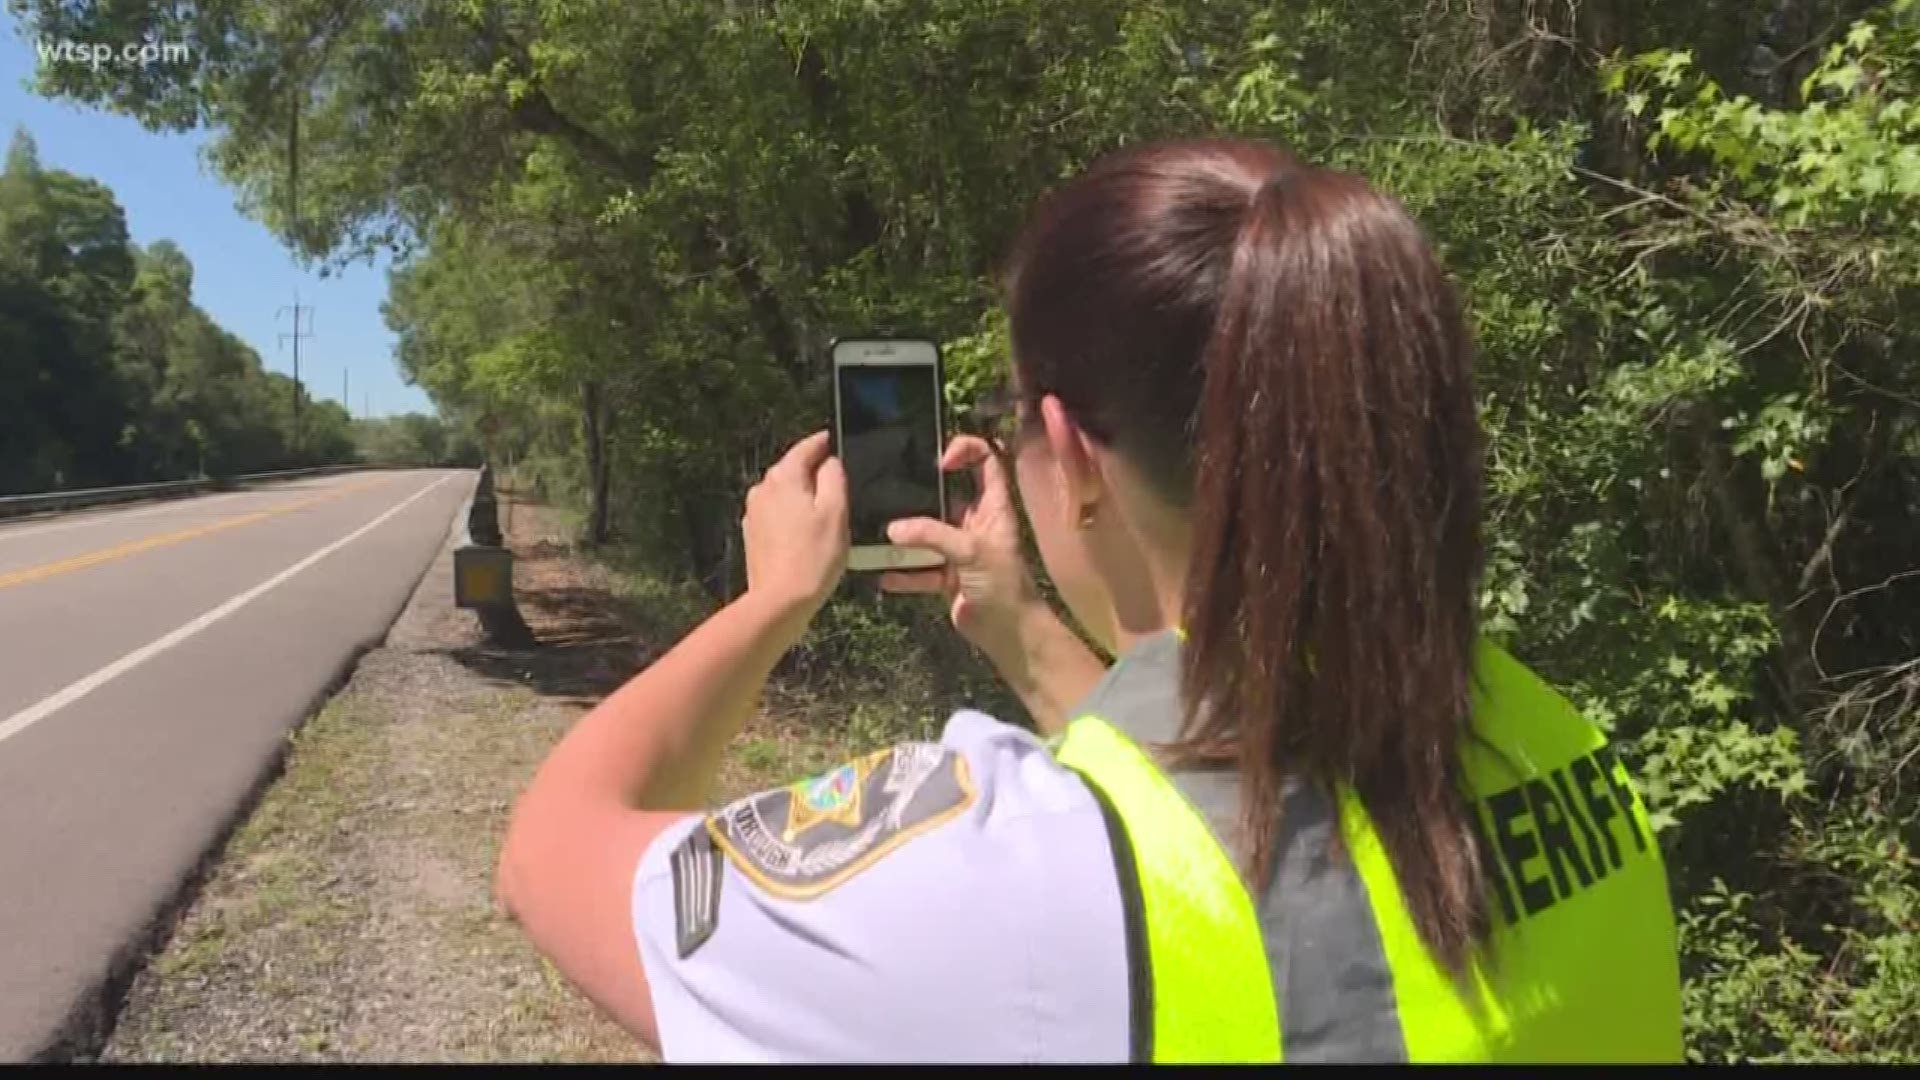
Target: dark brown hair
(1275, 347)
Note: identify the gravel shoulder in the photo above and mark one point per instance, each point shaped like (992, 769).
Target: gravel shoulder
(351, 917)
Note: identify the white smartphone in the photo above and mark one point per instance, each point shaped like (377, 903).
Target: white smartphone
(888, 431)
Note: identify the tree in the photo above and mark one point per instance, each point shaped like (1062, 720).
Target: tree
(109, 373)
(63, 246)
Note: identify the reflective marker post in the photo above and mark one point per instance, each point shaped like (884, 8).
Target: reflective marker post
(482, 577)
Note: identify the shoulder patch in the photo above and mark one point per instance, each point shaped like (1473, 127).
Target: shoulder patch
(801, 840)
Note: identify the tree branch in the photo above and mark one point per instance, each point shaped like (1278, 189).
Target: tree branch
(535, 112)
(1850, 494)
(1853, 594)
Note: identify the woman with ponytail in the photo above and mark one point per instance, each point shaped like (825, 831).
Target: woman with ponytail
(1307, 814)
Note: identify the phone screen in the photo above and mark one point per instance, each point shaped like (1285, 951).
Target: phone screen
(889, 444)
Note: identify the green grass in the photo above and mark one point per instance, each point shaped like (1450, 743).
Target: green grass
(195, 955)
(282, 928)
(761, 755)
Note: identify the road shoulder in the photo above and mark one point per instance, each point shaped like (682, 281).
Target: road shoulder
(350, 918)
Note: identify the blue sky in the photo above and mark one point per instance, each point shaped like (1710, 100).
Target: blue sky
(241, 274)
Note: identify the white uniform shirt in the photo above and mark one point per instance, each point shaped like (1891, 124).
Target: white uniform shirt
(884, 912)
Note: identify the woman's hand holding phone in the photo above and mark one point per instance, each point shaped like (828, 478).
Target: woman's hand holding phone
(985, 578)
(795, 529)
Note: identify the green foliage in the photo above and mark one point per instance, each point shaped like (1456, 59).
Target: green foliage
(1694, 764)
(975, 365)
(855, 638)
(627, 233)
(1848, 158)
(1758, 993)
(109, 373)
(414, 439)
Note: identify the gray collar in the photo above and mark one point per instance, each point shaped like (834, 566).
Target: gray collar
(1140, 693)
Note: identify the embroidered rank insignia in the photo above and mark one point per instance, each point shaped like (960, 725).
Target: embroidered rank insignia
(696, 891)
(801, 840)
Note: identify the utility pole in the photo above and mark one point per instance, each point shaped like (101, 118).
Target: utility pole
(346, 401)
(295, 336)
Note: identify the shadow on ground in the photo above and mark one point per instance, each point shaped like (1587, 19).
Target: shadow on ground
(585, 649)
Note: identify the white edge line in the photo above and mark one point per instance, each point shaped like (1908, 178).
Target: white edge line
(60, 699)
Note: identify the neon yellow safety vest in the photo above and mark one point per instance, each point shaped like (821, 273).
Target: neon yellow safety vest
(1326, 965)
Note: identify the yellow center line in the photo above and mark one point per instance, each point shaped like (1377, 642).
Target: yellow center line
(134, 547)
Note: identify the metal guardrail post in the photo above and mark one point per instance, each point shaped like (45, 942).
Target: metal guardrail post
(483, 571)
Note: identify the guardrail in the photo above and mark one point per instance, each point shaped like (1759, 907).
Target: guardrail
(17, 505)
(317, 470)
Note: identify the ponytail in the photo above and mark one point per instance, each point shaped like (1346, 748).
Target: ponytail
(1327, 449)
(1330, 601)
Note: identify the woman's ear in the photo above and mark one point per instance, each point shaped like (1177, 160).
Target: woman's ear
(1081, 483)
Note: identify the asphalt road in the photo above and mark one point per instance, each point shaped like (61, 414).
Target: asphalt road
(152, 660)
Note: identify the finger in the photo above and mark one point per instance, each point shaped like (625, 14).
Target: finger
(914, 581)
(965, 451)
(932, 533)
(803, 459)
(830, 488)
(971, 450)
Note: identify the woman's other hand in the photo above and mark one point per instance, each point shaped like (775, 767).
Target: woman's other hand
(985, 579)
(795, 528)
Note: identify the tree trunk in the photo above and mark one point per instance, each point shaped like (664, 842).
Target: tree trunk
(733, 556)
(708, 519)
(714, 250)
(594, 429)
(1613, 148)
(1755, 557)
